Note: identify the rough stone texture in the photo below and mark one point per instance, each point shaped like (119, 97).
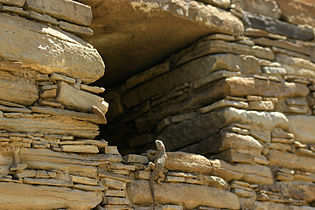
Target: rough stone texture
(262, 7)
(48, 50)
(137, 26)
(189, 196)
(71, 11)
(298, 12)
(302, 128)
(17, 196)
(278, 27)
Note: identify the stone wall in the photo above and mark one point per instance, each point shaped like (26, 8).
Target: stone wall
(241, 101)
(244, 102)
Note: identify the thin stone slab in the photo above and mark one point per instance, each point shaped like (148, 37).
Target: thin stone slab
(41, 48)
(278, 27)
(188, 195)
(25, 196)
(71, 11)
(18, 3)
(156, 28)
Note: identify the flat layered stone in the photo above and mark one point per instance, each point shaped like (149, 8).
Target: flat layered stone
(302, 128)
(291, 161)
(262, 7)
(258, 205)
(146, 23)
(278, 27)
(297, 190)
(190, 72)
(224, 141)
(25, 196)
(71, 11)
(16, 89)
(50, 125)
(187, 195)
(79, 100)
(18, 3)
(203, 126)
(298, 12)
(42, 48)
(242, 86)
(206, 47)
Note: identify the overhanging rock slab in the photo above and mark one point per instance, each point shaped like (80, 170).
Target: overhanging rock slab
(132, 35)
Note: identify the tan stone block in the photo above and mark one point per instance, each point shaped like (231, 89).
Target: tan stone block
(83, 180)
(18, 3)
(187, 195)
(71, 11)
(80, 30)
(80, 148)
(114, 184)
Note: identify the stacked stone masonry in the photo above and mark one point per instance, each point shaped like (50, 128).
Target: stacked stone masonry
(243, 102)
(235, 112)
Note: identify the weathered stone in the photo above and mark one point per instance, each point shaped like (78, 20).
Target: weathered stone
(224, 4)
(42, 17)
(297, 66)
(279, 206)
(18, 3)
(74, 115)
(224, 103)
(256, 174)
(283, 44)
(49, 182)
(50, 125)
(80, 30)
(186, 162)
(114, 184)
(49, 160)
(298, 12)
(87, 64)
(261, 7)
(224, 141)
(136, 159)
(232, 156)
(291, 161)
(277, 27)
(71, 11)
(157, 20)
(208, 124)
(44, 197)
(261, 135)
(302, 128)
(79, 100)
(17, 89)
(261, 105)
(206, 47)
(189, 72)
(238, 86)
(80, 148)
(187, 195)
(297, 190)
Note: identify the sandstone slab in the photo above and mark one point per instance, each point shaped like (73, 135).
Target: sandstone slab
(258, 205)
(50, 125)
(18, 3)
(187, 195)
(79, 100)
(262, 7)
(298, 190)
(145, 31)
(16, 89)
(224, 141)
(203, 126)
(302, 128)
(20, 197)
(42, 48)
(278, 27)
(71, 11)
(291, 161)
